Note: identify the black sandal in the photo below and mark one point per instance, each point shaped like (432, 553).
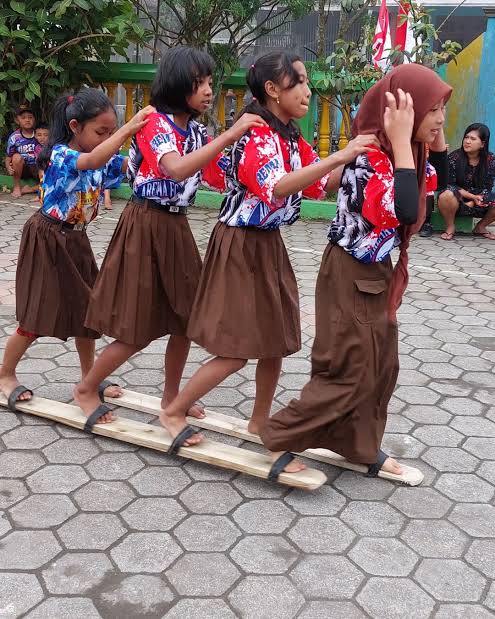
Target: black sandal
(374, 469)
(279, 465)
(103, 409)
(14, 397)
(181, 438)
(103, 386)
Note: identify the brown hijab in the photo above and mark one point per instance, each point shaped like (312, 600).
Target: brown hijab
(426, 90)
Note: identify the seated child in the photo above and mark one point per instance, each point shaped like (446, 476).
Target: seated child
(21, 152)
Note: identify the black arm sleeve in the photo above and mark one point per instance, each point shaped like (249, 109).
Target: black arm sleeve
(406, 195)
(440, 162)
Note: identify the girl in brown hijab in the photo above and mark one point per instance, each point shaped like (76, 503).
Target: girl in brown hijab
(380, 204)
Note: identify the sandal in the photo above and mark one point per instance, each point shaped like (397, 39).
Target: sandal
(181, 438)
(14, 397)
(103, 386)
(279, 465)
(486, 235)
(103, 409)
(447, 236)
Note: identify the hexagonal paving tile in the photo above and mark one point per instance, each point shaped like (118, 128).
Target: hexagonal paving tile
(136, 596)
(114, 466)
(450, 580)
(19, 463)
(373, 519)
(76, 572)
(65, 607)
(395, 598)
(266, 596)
(18, 593)
(27, 550)
(476, 519)
(153, 514)
(383, 557)
(462, 406)
(402, 446)
(11, 492)
(435, 538)
(4, 524)
(203, 574)
(29, 437)
(57, 478)
(103, 496)
(70, 451)
(322, 535)
(450, 459)
(481, 555)
(427, 414)
(322, 502)
(210, 498)
(91, 531)
(145, 552)
(465, 488)
(463, 611)
(438, 436)
(417, 395)
(160, 481)
(43, 511)
(420, 502)
(483, 448)
(265, 516)
(264, 554)
(8, 421)
(362, 488)
(218, 533)
(200, 609)
(326, 577)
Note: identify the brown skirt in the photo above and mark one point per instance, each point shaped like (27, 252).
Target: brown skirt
(55, 273)
(354, 365)
(247, 304)
(148, 279)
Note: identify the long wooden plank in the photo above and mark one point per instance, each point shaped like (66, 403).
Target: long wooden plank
(155, 437)
(232, 426)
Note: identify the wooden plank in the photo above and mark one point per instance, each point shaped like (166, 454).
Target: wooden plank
(155, 437)
(232, 426)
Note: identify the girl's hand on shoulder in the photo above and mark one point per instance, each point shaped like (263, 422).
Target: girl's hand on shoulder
(245, 122)
(359, 145)
(398, 118)
(138, 121)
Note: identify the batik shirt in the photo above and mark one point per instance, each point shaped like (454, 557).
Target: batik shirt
(159, 137)
(258, 161)
(486, 190)
(24, 146)
(74, 195)
(365, 224)
(431, 179)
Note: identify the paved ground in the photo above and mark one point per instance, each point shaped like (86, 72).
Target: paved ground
(95, 528)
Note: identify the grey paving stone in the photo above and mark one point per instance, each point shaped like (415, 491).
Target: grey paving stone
(435, 539)
(8, 421)
(478, 426)
(326, 577)
(450, 580)
(462, 406)
(27, 550)
(490, 597)
(462, 611)
(114, 466)
(373, 519)
(210, 498)
(402, 446)
(450, 459)
(203, 574)
(322, 502)
(160, 481)
(42, 511)
(362, 488)
(19, 463)
(465, 488)
(57, 478)
(110, 445)
(65, 607)
(481, 555)
(103, 496)
(145, 553)
(11, 492)
(483, 448)
(200, 609)
(70, 451)
(475, 519)
(91, 531)
(427, 414)
(263, 516)
(153, 514)
(18, 593)
(321, 535)
(439, 436)
(264, 554)
(395, 598)
(383, 557)
(4, 524)
(222, 396)
(255, 488)
(199, 472)
(420, 502)
(207, 533)
(77, 573)
(333, 610)
(266, 596)
(136, 596)
(417, 395)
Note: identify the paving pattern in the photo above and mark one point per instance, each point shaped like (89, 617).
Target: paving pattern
(92, 528)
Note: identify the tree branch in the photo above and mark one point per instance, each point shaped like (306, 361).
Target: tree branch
(54, 50)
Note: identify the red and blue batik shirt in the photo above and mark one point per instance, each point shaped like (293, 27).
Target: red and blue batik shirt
(159, 137)
(258, 161)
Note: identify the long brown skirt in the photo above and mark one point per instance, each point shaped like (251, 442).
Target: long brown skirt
(148, 279)
(56, 270)
(247, 304)
(354, 365)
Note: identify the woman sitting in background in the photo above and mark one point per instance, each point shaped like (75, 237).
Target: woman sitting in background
(469, 192)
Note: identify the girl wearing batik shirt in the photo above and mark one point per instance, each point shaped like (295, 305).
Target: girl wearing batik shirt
(150, 273)
(56, 267)
(247, 304)
(380, 204)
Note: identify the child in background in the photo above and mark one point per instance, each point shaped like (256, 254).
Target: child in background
(20, 159)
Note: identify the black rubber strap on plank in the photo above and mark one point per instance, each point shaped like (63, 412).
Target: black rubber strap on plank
(374, 469)
(14, 397)
(181, 438)
(279, 465)
(95, 415)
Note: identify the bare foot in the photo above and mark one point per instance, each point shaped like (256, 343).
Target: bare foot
(108, 203)
(8, 383)
(16, 192)
(175, 425)
(88, 402)
(196, 410)
(253, 427)
(29, 189)
(113, 391)
(392, 466)
(293, 467)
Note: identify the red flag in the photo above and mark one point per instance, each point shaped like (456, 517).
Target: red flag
(404, 38)
(381, 41)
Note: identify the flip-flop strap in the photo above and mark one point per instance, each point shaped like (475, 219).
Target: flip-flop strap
(279, 465)
(95, 415)
(181, 438)
(374, 469)
(14, 397)
(103, 385)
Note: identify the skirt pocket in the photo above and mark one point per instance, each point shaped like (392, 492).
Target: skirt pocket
(370, 300)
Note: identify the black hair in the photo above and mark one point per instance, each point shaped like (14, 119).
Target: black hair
(177, 77)
(41, 126)
(462, 163)
(85, 105)
(273, 67)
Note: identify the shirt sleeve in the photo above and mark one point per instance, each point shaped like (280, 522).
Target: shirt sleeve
(214, 172)
(316, 191)
(452, 181)
(490, 174)
(113, 175)
(262, 166)
(379, 193)
(11, 145)
(64, 161)
(440, 161)
(406, 199)
(156, 139)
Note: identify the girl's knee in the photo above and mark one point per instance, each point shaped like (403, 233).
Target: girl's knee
(446, 198)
